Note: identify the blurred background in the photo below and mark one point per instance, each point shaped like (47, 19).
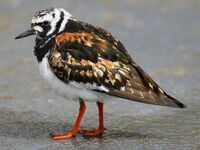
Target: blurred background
(162, 36)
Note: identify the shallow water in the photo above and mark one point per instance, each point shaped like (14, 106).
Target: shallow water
(162, 36)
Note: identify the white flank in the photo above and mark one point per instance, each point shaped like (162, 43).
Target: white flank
(73, 90)
(88, 86)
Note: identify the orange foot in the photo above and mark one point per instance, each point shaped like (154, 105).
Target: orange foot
(92, 133)
(63, 136)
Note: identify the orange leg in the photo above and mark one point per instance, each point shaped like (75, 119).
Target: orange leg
(100, 130)
(75, 128)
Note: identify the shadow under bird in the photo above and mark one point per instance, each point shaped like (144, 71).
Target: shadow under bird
(83, 62)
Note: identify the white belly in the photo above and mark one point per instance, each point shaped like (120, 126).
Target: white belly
(68, 91)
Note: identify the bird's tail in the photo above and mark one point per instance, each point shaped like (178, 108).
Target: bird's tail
(176, 102)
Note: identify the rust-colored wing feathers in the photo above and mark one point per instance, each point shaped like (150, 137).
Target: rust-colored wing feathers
(100, 60)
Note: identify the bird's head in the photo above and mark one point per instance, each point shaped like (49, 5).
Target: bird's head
(47, 23)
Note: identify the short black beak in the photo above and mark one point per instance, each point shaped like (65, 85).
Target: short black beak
(28, 32)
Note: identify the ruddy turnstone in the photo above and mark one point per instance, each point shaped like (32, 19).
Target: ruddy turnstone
(87, 63)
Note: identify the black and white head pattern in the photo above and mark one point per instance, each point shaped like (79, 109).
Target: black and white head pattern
(51, 21)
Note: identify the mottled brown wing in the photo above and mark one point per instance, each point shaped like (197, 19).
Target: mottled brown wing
(102, 66)
(151, 93)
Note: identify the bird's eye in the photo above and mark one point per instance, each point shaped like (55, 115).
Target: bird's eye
(46, 23)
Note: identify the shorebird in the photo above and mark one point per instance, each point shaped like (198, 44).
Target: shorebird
(83, 62)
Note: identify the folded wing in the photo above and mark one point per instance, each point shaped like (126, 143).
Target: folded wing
(98, 61)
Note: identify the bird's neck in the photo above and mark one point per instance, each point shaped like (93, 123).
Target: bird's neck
(44, 44)
(42, 47)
